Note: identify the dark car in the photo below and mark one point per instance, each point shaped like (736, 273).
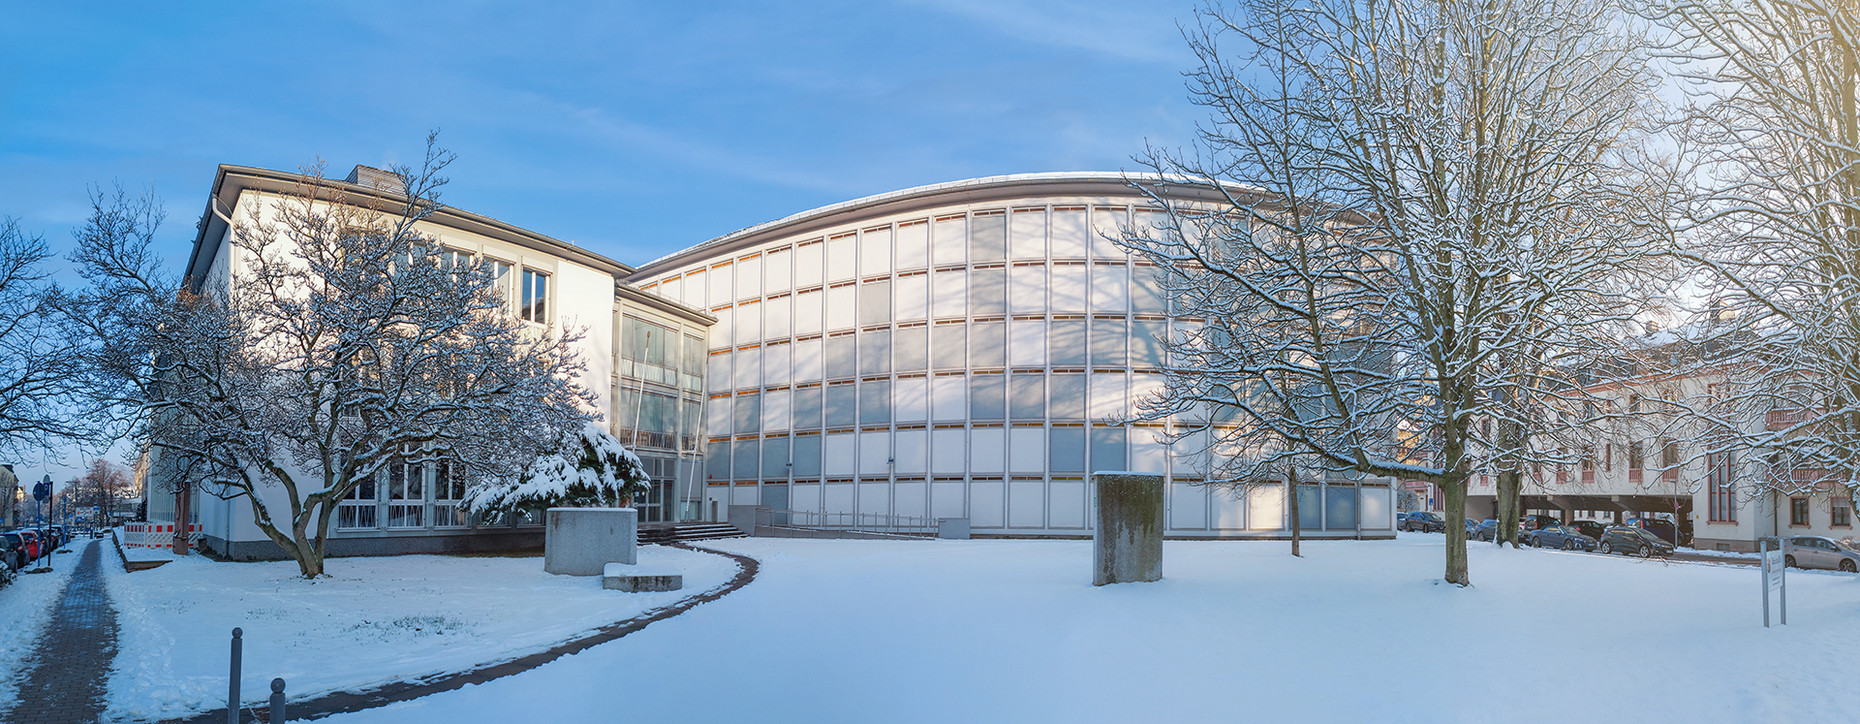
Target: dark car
(1421, 521)
(1589, 528)
(1487, 530)
(1560, 536)
(61, 534)
(1535, 522)
(1634, 540)
(1662, 528)
(13, 550)
(1472, 529)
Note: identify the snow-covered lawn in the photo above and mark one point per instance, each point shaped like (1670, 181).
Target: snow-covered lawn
(373, 620)
(25, 606)
(944, 631)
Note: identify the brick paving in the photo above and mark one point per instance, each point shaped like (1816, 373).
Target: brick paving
(65, 677)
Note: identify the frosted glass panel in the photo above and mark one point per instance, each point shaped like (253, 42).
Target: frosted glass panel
(949, 346)
(748, 417)
(1146, 294)
(1070, 233)
(841, 351)
(749, 278)
(842, 405)
(776, 411)
(807, 457)
(913, 293)
(1071, 286)
(1027, 397)
(874, 303)
(1110, 289)
(837, 454)
(1266, 507)
(988, 292)
(1066, 399)
(912, 452)
(841, 253)
(1068, 342)
(807, 311)
(949, 398)
(720, 337)
(949, 293)
(1107, 397)
(1108, 340)
(988, 344)
(718, 376)
(1027, 289)
(1066, 454)
(875, 252)
(988, 237)
(875, 402)
(913, 245)
(695, 286)
(1027, 451)
(747, 368)
(1339, 507)
(777, 313)
(721, 286)
(807, 359)
(808, 265)
(808, 407)
(1106, 225)
(949, 241)
(1027, 234)
(874, 352)
(717, 414)
(912, 347)
(840, 307)
(747, 323)
(1027, 343)
(912, 399)
(1108, 449)
(777, 270)
(949, 451)
(776, 368)
(874, 453)
(988, 397)
(988, 450)
(1026, 504)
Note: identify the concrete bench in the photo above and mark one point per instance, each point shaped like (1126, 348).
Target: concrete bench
(635, 579)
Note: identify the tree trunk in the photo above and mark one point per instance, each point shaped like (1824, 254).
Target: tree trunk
(181, 514)
(1510, 490)
(1291, 488)
(1455, 491)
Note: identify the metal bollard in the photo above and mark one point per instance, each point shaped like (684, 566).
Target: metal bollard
(232, 686)
(276, 714)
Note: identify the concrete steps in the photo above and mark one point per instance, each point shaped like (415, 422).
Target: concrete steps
(687, 531)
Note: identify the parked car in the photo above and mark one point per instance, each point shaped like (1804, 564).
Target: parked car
(1659, 527)
(1633, 540)
(62, 534)
(1487, 530)
(13, 550)
(1813, 551)
(1536, 522)
(34, 544)
(1560, 536)
(1421, 521)
(1472, 529)
(1589, 528)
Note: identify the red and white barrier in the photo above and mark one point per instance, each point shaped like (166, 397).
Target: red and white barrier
(155, 535)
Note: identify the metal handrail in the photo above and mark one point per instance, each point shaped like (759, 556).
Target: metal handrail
(860, 522)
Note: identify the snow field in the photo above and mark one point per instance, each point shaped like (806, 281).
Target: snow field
(939, 631)
(373, 620)
(25, 606)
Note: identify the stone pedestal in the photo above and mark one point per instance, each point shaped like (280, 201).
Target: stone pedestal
(582, 541)
(1127, 542)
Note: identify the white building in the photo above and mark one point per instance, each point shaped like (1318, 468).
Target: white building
(959, 350)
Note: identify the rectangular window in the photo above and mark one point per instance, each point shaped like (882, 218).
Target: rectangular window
(840, 354)
(406, 495)
(535, 296)
(1066, 342)
(988, 239)
(1669, 461)
(875, 303)
(912, 347)
(1636, 461)
(949, 346)
(989, 346)
(1721, 499)
(875, 352)
(500, 280)
(842, 405)
(448, 497)
(1107, 448)
(807, 457)
(874, 402)
(1108, 342)
(1839, 516)
(1066, 398)
(1798, 511)
(807, 408)
(988, 292)
(1027, 395)
(1066, 450)
(358, 507)
(988, 397)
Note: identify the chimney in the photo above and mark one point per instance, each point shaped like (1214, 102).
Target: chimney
(375, 178)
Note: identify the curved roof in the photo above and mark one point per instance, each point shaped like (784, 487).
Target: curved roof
(984, 189)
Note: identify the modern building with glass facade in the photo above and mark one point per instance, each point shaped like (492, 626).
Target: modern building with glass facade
(962, 350)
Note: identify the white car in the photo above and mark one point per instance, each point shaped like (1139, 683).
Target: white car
(1813, 551)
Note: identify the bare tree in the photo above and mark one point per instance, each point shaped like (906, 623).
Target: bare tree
(348, 341)
(41, 385)
(1413, 192)
(101, 485)
(1774, 139)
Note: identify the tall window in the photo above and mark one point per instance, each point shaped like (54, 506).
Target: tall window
(1839, 516)
(1798, 511)
(1636, 460)
(1669, 461)
(357, 509)
(535, 296)
(448, 496)
(1723, 501)
(406, 495)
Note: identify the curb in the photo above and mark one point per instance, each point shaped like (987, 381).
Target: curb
(343, 702)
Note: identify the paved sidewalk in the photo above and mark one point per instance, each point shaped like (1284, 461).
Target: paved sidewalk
(65, 678)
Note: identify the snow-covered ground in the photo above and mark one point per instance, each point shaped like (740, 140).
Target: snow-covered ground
(25, 606)
(373, 620)
(942, 631)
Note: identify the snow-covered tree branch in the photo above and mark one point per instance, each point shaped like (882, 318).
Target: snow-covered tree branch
(348, 341)
(1415, 199)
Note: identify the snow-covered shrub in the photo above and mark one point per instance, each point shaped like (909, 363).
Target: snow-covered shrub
(602, 474)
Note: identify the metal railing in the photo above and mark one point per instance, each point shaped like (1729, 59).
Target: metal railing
(859, 522)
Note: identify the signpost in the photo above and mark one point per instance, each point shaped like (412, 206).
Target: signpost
(1773, 567)
(41, 492)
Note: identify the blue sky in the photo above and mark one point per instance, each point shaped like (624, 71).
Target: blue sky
(632, 129)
